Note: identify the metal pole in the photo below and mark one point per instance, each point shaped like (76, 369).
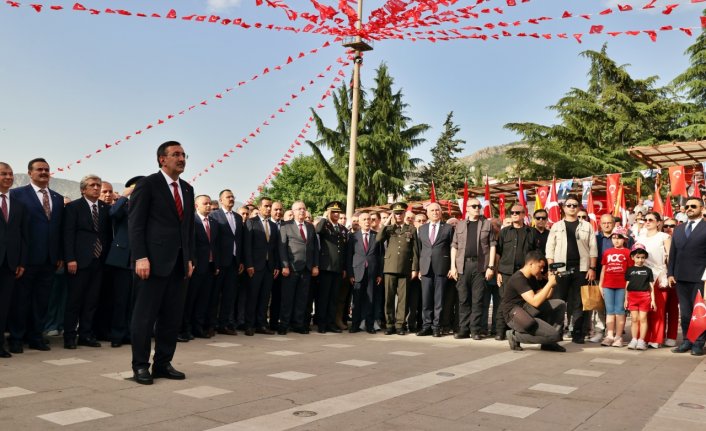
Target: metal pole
(350, 197)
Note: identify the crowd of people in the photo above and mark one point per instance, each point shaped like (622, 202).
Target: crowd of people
(159, 261)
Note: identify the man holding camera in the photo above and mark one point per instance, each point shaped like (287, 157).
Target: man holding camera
(534, 318)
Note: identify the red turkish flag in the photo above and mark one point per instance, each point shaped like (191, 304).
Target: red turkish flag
(465, 198)
(542, 192)
(612, 186)
(432, 192)
(668, 211)
(487, 213)
(697, 325)
(657, 204)
(677, 181)
(552, 206)
(501, 205)
(521, 195)
(590, 209)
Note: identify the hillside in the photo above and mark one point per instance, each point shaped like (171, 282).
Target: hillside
(491, 159)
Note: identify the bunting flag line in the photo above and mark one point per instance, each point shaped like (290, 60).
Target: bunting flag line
(203, 103)
(281, 110)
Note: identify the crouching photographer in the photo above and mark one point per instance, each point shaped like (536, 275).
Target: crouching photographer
(533, 317)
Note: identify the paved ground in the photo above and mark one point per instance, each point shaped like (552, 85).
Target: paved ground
(357, 382)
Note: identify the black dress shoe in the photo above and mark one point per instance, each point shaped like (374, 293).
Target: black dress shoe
(476, 337)
(5, 354)
(682, 348)
(370, 331)
(500, 337)
(39, 345)
(167, 372)
(88, 342)
(70, 344)
(553, 347)
(578, 340)
(227, 331)
(321, 330)
(353, 329)
(424, 332)
(190, 336)
(461, 335)
(183, 338)
(436, 333)
(389, 331)
(250, 332)
(333, 329)
(143, 376)
(697, 351)
(264, 330)
(281, 332)
(301, 331)
(116, 344)
(402, 331)
(15, 348)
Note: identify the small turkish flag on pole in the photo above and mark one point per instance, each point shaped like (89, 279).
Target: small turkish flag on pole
(697, 325)
(432, 192)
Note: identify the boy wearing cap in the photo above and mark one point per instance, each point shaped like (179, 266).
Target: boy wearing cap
(641, 296)
(615, 262)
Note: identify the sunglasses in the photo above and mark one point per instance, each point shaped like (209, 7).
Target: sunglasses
(571, 205)
(583, 217)
(516, 212)
(540, 218)
(691, 207)
(669, 226)
(650, 219)
(476, 206)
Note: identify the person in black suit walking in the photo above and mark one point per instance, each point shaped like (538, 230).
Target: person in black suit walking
(87, 238)
(332, 261)
(364, 266)
(299, 252)
(231, 228)
(261, 251)
(45, 209)
(161, 231)
(687, 262)
(206, 269)
(434, 241)
(13, 247)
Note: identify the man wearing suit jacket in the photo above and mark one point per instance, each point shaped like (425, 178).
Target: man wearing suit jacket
(687, 262)
(13, 247)
(161, 231)
(472, 263)
(45, 209)
(87, 237)
(364, 266)
(231, 228)
(332, 261)
(120, 264)
(201, 284)
(434, 241)
(299, 253)
(261, 253)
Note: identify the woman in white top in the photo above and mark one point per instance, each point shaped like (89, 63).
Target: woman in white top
(657, 244)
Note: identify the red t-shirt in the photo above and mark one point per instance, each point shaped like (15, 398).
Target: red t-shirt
(616, 262)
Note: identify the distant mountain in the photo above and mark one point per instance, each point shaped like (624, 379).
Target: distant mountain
(491, 159)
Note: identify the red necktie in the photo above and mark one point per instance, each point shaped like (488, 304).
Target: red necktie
(301, 231)
(4, 208)
(177, 200)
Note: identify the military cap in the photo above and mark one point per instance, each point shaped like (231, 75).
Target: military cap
(334, 206)
(132, 181)
(399, 207)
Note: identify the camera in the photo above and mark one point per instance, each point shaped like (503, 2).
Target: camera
(556, 266)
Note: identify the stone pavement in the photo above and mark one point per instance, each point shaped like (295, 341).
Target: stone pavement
(356, 382)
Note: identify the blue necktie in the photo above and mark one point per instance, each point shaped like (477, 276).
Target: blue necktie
(689, 228)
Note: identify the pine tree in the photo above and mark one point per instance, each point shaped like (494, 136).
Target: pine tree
(445, 170)
(692, 83)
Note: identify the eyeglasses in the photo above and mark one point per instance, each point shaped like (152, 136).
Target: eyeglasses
(571, 205)
(476, 206)
(669, 226)
(650, 220)
(540, 218)
(583, 217)
(516, 212)
(691, 207)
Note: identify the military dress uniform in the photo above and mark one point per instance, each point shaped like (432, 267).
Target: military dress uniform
(332, 265)
(401, 258)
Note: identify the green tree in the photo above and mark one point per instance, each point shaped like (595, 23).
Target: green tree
(445, 170)
(303, 179)
(384, 141)
(596, 125)
(692, 84)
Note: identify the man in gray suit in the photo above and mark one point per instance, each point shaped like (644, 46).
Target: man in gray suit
(434, 242)
(472, 262)
(299, 252)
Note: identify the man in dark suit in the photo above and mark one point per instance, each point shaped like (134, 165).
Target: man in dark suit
(299, 253)
(261, 254)
(13, 247)
(231, 229)
(364, 266)
(120, 264)
(45, 209)
(87, 237)
(472, 263)
(434, 242)
(401, 264)
(275, 298)
(332, 266)
(207, 252)
(687, 262)
(161, 231)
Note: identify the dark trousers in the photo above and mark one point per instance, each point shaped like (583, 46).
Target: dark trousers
(379, 302)
(102, 318)
(569, 290)
(241, 299)
(414, 317)
(432, 299)
(500, 325)
(327, 299)
(84, 292)
(470, 287)
(202, 319)
(363, 302)
(7, 283)
(395, 285)
(275, 302)
(686, 292)
(159, 304)
(54, 318)
(550, 324)
(29, 304)
(295, 292)
(449, 311)
(259, 289)
(123, 300)
(198, 296)
(222, 304)
(491, 294)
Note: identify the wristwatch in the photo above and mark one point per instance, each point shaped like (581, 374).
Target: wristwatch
(592, 268)
(490, 267)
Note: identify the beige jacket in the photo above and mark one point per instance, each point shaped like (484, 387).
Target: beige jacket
(585, 238)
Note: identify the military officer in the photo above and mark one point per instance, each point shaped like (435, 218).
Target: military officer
(332, 264)
(401, 264)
